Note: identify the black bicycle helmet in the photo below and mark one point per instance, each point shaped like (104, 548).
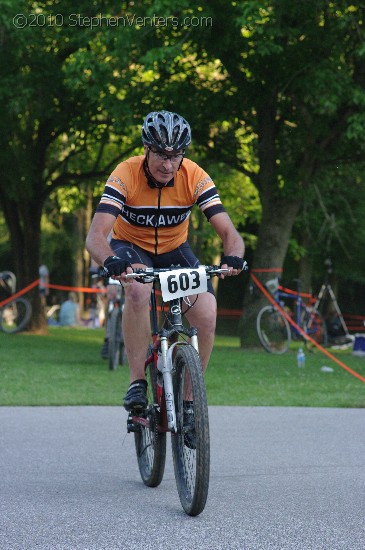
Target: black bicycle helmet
(166, 131)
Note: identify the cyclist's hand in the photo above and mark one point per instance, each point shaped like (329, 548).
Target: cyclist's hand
(116, 266)
(233, 263)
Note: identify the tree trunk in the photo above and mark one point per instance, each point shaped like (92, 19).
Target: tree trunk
(278, 216)
(306, 267)
(23, 219)
(79, 241)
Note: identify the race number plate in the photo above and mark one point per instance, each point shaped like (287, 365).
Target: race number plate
(183, 282)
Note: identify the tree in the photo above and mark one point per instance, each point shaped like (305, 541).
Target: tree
(280, 90)
(297, 69)
(67, 122)
(278, 97)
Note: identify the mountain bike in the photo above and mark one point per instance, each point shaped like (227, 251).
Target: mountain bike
(274, 330)
(116, 350)
(15, 312)
(177, 401)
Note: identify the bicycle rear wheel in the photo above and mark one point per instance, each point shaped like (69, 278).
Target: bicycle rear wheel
(191, 445)
(115, 338)
(273, 330)
(15, 315)
(150, 443)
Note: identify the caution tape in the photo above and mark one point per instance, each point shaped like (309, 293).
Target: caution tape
(20, 293)
(294, 293)
(301, 331)
(77, 288)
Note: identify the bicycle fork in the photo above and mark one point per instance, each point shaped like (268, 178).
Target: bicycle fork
(164, 366)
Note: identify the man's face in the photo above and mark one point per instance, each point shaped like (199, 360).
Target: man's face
(163, 166)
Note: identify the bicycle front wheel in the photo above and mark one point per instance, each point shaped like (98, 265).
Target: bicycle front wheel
(150, 442)
(273, 330)
(190, 445)
(115, 338)
(15, 315)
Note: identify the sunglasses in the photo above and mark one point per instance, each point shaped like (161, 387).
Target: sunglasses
(162, 157)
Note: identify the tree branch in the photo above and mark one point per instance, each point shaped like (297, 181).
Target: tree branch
(331, 221)
(67, 177)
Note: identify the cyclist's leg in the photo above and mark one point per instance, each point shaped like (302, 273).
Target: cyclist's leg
(136, 316)
(203, 316)
(136, 326)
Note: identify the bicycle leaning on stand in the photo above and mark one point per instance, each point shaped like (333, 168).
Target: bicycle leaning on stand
(274, 330)
(15, 313)
(177, 401)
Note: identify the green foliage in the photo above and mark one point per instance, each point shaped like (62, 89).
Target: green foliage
(332, 220)
(5, 251)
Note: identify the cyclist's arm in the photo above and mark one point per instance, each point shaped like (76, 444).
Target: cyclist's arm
(97, 238)
(233, 244)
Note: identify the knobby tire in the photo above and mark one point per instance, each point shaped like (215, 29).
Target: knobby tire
(191, 465)
(116, 344)
(15, 315)
(273, 330)
(150, 443)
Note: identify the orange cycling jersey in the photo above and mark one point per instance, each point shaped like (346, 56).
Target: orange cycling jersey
(156, 218)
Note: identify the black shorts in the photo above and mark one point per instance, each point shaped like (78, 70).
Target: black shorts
(183, 256)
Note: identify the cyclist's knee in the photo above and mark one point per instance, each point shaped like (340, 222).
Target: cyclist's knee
(137, 295)
(203, 314)
(206, 323)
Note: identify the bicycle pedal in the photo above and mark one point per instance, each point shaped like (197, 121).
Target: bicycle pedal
(131, 426)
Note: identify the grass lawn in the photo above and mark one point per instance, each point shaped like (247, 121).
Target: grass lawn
(64, 368)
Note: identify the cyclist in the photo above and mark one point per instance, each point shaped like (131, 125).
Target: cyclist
(103, 301)
(146, 202)
(111, 295)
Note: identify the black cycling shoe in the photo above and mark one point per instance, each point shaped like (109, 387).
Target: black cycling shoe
(136, 397)
(189, 425)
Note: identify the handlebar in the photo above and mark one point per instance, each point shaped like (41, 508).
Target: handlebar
(150, 274)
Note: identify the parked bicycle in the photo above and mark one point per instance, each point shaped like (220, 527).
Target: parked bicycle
(116, 349)
(177, 400)
(274, 330)
(15, 313)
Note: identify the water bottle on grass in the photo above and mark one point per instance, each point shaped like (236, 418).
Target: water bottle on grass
(300, 358)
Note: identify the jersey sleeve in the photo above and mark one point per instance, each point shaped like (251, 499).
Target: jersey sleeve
(207, 197)
(114, 195)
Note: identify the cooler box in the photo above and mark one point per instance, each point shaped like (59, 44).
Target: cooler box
(359, 345)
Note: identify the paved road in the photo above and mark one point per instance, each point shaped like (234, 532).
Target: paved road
(281, 478)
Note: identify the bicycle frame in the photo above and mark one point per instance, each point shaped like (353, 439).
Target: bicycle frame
(161, 357)
(300, 307)
(298, 302)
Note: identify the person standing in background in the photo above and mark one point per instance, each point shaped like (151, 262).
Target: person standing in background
(43, 284)
(70, 311)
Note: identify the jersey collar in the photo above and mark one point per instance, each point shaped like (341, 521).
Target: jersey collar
(154, 183)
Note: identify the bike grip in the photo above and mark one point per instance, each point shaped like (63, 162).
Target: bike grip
(103, 272)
